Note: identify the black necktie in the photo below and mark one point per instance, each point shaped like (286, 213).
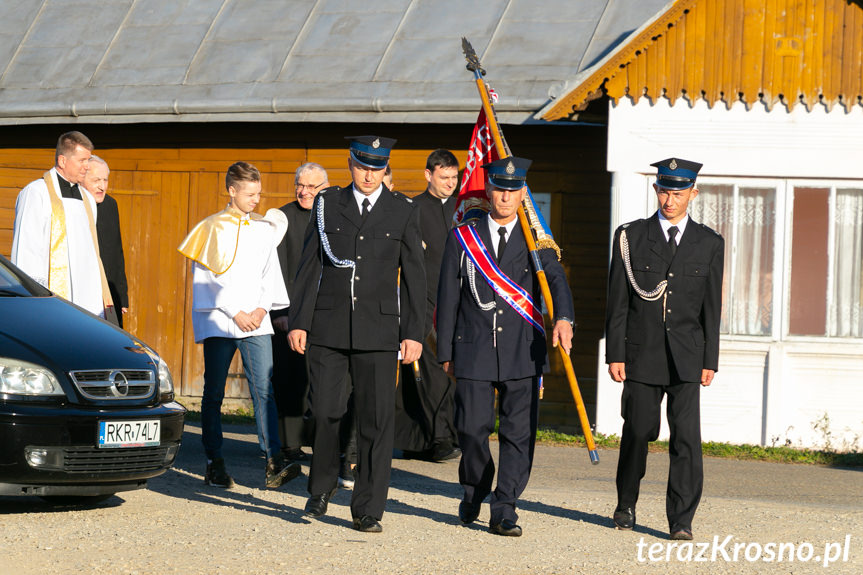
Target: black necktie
(367, 206)
(672, 233)
(501, 243)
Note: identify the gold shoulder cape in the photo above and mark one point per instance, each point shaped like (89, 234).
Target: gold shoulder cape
(213, 242)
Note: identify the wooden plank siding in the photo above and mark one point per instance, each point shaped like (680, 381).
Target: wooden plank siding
(176, 178)
(784, 52)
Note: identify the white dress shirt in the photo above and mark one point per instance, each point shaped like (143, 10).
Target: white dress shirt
(493, 226)
(681, 225)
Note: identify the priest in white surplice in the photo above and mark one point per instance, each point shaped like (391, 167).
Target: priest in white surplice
(237, 281)
(54, 235)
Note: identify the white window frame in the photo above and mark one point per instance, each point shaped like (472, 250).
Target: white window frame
(778, 241)
(832, 185)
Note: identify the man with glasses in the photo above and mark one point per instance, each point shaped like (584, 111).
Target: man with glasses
(290, 373)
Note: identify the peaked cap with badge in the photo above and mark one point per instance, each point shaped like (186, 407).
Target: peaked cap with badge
(676, 174)
(508, 173)
(371, 151)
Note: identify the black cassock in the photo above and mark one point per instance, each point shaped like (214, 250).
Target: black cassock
(111, 253)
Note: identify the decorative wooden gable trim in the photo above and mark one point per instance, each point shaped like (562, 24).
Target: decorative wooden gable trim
(769, 51)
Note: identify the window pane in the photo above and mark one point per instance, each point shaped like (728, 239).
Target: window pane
(713, 207)
(846, 310)
(808, 305)
(747, 290)
(752, 311)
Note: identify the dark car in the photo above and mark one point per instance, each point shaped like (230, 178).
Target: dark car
(86, 409)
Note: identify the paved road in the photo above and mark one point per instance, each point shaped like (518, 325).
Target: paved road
(179, 525)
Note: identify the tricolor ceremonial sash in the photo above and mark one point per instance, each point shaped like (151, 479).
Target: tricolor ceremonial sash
(511, 292)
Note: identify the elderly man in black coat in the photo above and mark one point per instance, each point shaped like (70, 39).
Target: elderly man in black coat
(108, 232)
(662, 339)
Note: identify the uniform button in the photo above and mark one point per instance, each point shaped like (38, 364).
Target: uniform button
(647, 267)
(388, 234)
(670, 292)
(668, 311)
(357, 278)
(500, 312)
(671, 275)
(359, 257)
(668, 329)
(500, 329)
(361, 237)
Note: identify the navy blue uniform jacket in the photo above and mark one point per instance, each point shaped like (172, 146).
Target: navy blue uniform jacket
(466, 332)
(383, 315)
(634, 329)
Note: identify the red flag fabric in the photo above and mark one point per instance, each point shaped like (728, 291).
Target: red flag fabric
(472, 202)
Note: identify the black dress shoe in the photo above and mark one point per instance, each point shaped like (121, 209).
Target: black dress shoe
(367, 524)
(296, 454)
(507, 528)
(468, 512)
(444, 451)
(681, 535)
(624, 518)
(317, 504)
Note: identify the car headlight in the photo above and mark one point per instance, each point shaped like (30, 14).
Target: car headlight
(166, 382)
(24, 378)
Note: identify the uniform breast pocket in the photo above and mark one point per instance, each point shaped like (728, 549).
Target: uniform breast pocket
(695, 275)
(387, 242)
(463, 337)
(648, 272)
(696, 270)
(341, 241)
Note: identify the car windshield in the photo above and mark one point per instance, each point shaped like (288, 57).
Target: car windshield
(15, 283)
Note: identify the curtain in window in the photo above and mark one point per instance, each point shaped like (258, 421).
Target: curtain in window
(752, 313)
(846, 310)
(747, 291)
(714, 208)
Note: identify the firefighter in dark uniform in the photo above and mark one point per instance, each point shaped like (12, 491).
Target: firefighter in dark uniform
(491, 334)
(662, 339)
(350, 315)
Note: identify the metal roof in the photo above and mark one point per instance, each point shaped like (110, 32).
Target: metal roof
(127, 61)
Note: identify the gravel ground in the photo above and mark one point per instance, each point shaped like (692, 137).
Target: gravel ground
(180, 525)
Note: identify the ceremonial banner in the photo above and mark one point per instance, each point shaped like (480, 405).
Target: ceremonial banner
(472, 202)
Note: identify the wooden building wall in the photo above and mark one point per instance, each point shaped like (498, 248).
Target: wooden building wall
(173, 177)
(785, 52)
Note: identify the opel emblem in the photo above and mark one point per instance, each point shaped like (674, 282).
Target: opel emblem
(120, 383)
(376, 144)
(673, 164)
(510, 168)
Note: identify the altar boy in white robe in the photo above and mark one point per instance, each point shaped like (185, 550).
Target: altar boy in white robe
(237, 281)
(54, 237)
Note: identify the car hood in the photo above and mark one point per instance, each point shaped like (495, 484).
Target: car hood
(52, 332)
